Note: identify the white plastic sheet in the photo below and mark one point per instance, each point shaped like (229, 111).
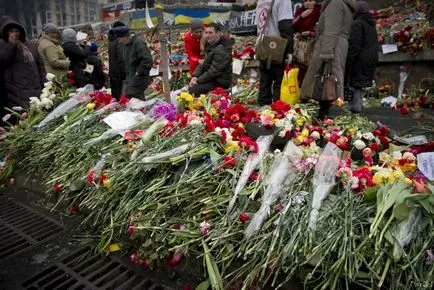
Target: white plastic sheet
(282, 172)
(252, 162)
(324, 179)
(68, 105)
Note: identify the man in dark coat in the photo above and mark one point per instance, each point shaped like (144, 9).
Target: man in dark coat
(362, 54)
(116, 62)
(24, 69)
(76, 55)
(216, 69)
(96, 77)
(138, 63)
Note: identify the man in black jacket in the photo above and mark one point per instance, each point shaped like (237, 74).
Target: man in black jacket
(138, 63)
(279, 24)
(216, 69)
(116, 62)
(362, 54)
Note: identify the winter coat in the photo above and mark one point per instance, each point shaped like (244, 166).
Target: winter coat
(138, 63)
(77, 56)
(116, 59)
(3, 94)
(192, 46)
(308, 23)
(331, 43)
(363, 51)
(97, 77)
(22, 79)
(217, 65)
(52, 54)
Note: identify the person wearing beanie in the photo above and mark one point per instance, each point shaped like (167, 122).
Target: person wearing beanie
(51, 52)
(24, 72)
(138, 63)
(96, 76)
(116, 62)
(362, 54)
(76, 55)
(3, 93)
(192, 41)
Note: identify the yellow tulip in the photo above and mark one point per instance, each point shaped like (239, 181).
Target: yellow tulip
(408, 167)
(107, 183)
(232, 147)
(305, 133)
(351, 131)
(114, 248)
(299, 139)
(90, 107)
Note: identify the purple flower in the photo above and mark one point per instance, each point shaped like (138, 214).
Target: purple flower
(226, 123)
(165, 110)
(224, 104)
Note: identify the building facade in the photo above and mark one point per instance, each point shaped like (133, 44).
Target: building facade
(33, 14)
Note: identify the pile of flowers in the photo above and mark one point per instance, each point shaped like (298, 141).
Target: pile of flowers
(406, 25)
(164, 182)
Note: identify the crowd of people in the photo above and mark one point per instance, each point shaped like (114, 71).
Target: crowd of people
(338, 33)
(25, 63)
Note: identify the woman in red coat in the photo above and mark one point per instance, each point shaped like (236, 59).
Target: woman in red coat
(192, 42)
(304, 23)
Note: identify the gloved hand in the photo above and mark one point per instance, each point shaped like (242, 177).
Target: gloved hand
(288, 59)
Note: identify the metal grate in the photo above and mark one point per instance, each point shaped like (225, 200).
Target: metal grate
(83, 271)
(21, 228)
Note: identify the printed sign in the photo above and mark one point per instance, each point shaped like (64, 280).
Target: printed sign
(425, 163)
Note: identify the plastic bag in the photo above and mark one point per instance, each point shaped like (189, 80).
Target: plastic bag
(289, 90)
(282, 172)
(324, 179)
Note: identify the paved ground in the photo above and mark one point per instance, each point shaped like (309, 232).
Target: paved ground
(40, 249)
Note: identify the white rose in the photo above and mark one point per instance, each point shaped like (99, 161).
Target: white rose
(397, 155)
(48, 85)
(359, 144)
(52, 97)
(369, 136)
(47, 103)
(50, 77)
(315, 134)
(195, 122)
(409, 155)
(46, 92)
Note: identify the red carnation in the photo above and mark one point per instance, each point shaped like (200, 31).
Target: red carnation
(124, 101)
(384, 130)
(384, 141)
(404, 111)
(280, 107)
(374, 147)
(57, 187)
(228, 162)
(244, 217)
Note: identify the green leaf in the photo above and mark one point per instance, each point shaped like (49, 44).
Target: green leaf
(204, 285)
(396, 148)
(215, 157)
(401, 211)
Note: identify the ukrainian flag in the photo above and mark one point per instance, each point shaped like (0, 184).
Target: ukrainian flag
(185, 16)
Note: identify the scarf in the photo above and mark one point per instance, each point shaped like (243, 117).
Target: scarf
(25, 51)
